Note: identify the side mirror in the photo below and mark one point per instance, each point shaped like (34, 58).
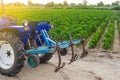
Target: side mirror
(25, 23)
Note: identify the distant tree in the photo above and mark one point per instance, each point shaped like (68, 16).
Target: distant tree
(72, 4)
(107, 5)
(30, 3)
(92, 6)
(116, 3)
(60, 4)
(65, 3)
(85, 2)
(100, 4)
(16, 4)
(79, 4)
(50, 4)
(37, 4)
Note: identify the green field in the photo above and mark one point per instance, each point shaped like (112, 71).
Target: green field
(71, 21)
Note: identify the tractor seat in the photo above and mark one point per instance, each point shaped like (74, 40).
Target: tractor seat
(32, 25)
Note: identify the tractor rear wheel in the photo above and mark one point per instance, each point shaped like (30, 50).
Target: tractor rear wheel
(45, 57)
(11, 54)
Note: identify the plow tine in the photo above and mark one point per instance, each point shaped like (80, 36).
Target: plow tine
(85, 52)
(74, 56)
(60, 64)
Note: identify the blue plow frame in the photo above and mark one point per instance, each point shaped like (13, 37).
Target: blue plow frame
(51, 46)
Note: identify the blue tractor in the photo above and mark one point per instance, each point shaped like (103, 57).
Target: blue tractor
(30, 41)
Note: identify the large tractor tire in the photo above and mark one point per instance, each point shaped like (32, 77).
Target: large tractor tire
(11, 54)
(44, 58)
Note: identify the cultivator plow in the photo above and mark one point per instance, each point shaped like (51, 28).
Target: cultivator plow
(50, 47)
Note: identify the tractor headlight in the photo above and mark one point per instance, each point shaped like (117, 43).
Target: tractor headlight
(25, 23)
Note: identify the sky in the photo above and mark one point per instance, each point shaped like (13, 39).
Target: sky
(60, 1)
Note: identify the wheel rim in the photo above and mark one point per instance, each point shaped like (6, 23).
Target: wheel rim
(6, 55)
(31, 61)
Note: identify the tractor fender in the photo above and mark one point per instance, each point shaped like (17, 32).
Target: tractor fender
(11, 30)
(23, 35)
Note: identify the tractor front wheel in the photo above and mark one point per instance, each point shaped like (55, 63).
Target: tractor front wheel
(11, 54)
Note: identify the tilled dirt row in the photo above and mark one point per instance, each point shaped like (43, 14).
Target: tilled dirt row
(116, 45)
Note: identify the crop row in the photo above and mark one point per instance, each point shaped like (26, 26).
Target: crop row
(118, 20)
(97, 35)
(108, 39)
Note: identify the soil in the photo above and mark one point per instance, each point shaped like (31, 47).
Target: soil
(95, 66)
(116, 45)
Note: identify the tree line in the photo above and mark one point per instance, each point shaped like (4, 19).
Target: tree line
(84, 4)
